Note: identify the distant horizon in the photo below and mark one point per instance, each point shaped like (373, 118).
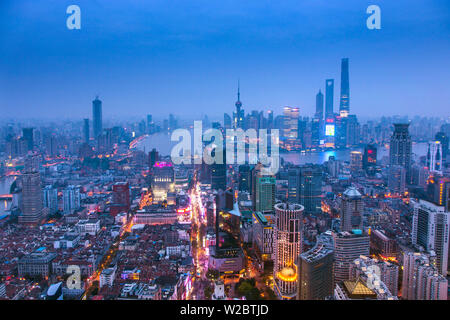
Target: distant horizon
(186, 57)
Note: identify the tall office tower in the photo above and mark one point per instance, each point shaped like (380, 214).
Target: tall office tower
(434, 157)
(120, 198)
(219, 173)
(27, 134)
(293, 177)
(71, 199)
(421, 280)
(382, 276)
(50, 198)
(288, 246)
(244, 177)
(97, 117)
(397, 179)
(356, 161)
(255, 174)
(310, 188)
(315, 280)
(438, 190)
(344, 106)
(173, 124)
(431, 231)
(443, 139)
(162, 180)
(316, 131)
(352, 131)
(238, 116)
(32, 207)
(263, 235)
(227, 122)
(149, 120)
(370, 156)
(329, 93)
(400, 148)
(291, 115)
(86, 130)
(265, 194)
(319, 106)
(348, 246)
(352, 207)
(153, 157)
(270, 123)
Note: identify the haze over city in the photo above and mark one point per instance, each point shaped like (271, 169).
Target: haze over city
(188, 55)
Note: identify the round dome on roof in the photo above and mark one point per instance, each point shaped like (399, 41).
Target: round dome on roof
(352, 192)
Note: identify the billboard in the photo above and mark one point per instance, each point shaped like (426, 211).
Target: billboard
(329, 130)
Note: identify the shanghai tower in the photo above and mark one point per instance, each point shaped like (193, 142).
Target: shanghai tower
(344, 106)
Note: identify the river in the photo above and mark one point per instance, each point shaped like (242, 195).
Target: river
(161, 142)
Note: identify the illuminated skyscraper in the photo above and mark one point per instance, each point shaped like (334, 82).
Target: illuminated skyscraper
(356, 161)
(351, 210)
(97, 117)
(370, 156)
(434, 157)
(290, 126)
(344, 106)
(288, 246)
(443, 139)
(162, 181)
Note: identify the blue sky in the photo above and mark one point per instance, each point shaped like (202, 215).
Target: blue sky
(185, 56)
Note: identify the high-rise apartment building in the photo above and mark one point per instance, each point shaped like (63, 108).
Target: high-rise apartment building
(421, 280)
(382, 276)
(50, 198)
(431, 231)
(71, 199)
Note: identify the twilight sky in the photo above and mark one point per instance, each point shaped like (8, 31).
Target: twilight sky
(185, 56)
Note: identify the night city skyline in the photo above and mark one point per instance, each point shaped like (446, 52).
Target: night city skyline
(223, 155)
